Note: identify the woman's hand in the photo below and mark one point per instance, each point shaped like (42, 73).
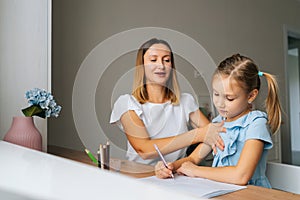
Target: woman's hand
(187, 168)
(162, 172)
(212, 135)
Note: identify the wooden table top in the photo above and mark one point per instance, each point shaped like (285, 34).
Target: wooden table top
(139, 170)
(126, 167)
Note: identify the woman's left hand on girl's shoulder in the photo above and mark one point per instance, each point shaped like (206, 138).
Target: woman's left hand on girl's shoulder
(213, 137)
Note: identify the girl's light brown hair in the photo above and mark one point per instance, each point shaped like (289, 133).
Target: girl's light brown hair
(139, 90)
(245, 71)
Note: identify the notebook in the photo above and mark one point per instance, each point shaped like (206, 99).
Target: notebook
(198, 187)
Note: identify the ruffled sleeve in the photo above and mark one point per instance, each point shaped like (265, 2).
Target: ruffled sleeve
(259, 130)
(123, 104)
(189, 104)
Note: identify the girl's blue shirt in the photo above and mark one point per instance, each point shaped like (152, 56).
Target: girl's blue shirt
(251, 126)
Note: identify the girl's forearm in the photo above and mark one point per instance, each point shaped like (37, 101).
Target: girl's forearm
(228, 174)
(201, 151)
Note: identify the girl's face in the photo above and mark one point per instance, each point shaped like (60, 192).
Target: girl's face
(157, 62)
(229, 97)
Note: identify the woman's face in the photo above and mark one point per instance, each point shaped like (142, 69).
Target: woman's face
(229, 98)
(157, 63)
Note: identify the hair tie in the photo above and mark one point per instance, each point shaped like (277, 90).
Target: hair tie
(260, 73)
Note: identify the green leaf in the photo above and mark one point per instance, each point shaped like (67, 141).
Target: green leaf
(34, 110)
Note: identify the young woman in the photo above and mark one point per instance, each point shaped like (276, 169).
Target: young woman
(236, 84)
(157, 113)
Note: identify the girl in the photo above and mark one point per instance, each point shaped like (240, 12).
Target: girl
(235, 84)
(156, 112)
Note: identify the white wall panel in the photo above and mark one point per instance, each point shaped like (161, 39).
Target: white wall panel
(24, 59)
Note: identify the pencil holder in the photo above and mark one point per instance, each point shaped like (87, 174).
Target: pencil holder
(104, 156)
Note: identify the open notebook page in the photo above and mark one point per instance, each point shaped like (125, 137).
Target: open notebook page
(198, 187)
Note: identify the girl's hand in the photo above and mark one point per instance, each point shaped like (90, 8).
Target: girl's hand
(187, 168)
(212, 137)
(162, 172)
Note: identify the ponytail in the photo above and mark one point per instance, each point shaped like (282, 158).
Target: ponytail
(272, 103)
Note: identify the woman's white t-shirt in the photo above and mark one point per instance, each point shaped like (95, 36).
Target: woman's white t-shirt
(160, 119)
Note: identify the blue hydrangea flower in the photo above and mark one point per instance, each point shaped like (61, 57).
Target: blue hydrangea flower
(41, 103)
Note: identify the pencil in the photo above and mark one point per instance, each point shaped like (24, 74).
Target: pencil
(91, 156)
(107, 155)
(102, 148)
(99, 158)
(162, 158)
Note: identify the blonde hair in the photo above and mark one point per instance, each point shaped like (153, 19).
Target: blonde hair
(139, 90)
(244, 70)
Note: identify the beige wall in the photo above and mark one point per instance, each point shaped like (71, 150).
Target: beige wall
(253, 28)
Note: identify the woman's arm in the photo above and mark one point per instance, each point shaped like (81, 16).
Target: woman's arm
(239, 174)
(197, 119)
(139, 138)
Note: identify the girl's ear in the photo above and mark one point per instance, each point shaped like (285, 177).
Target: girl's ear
(252, 95)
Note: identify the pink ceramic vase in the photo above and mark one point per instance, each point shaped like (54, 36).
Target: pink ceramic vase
(23, 132)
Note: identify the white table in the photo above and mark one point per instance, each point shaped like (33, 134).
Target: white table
(29, 174)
